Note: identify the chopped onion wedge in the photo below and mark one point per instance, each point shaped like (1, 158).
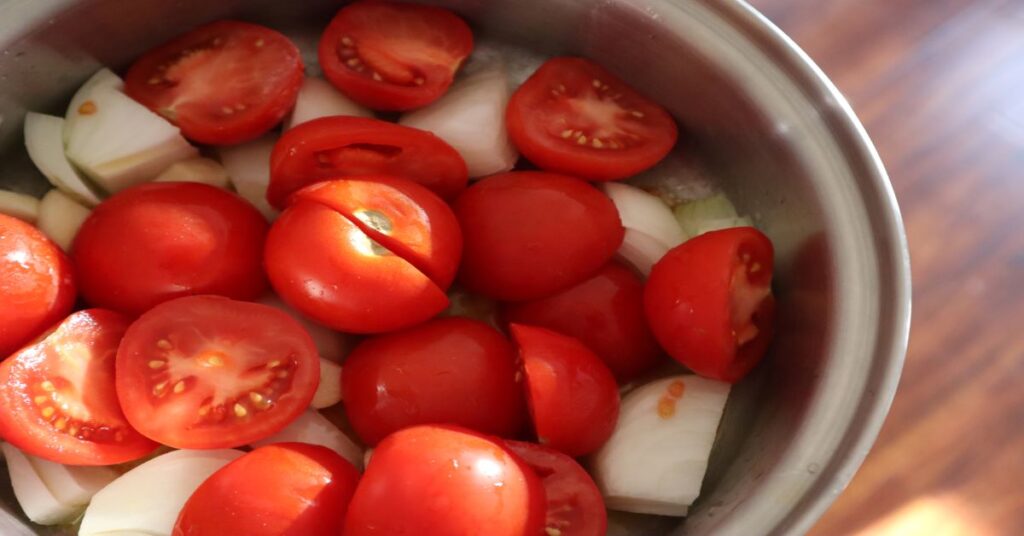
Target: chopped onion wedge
(72, 484)
(43, 139)
(641, 250)
(646, 213)
(366, 457)
(707, 226)
(313, 428)
(655, 461)
(328, 391)
(248, 166)
(60, 217)
(331, 345)
(21, 206)
(318, 98)
(198, 169)
(149, 498)
(39, 504)
(694, 216)
(471, 118)
(104, 78)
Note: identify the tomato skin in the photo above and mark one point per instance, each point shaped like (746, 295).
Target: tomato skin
(87, 341)
(159, 241)
(547, 116)
(706, 294)
(575, 505)
(253, 72)
(443, 480)
(445, 371)
(572, 396)
(284, 489)
(37, 284)
(206, 372)
(346, 147)
(530, 234)
(605, 312)
(399, 42)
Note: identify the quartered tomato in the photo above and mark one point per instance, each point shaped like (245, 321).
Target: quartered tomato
(709, 302)
(529, 234)
(37, 284)
(206, 372)
(222, 83)
(394, 56)
(57, 398)
(442, 481)
(575, 506)
(573, 116)
(446, 371)
(284, 489)
(339, 147)
(572, 396)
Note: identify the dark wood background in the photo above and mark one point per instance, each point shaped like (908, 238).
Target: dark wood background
(939, 85)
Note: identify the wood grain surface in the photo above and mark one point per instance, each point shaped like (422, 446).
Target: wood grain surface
(939, 85)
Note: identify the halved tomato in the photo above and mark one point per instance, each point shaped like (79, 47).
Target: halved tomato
(57, 398)
(573, 116)
(337, 147)
(206, 372)
(222, 83)
(394, 56)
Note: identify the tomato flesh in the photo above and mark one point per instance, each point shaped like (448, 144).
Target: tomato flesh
(575, 506)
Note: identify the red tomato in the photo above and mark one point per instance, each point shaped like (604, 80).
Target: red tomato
(284, 489)
(709, 302)
(222, 83)
(573, 397)
(605, 312)
(206, 372)
(159, 241)
(529, 234)
(573, 116)
(342, 147)
(446, 371)
(443, 481)
(394, 56)
(57, 398)
(37, 284)
(575, 506)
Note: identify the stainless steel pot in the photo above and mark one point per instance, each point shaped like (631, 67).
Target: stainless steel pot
(771, 128)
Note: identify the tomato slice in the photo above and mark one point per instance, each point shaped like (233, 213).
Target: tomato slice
(575, 506)
(222, 83)
(394, 56)
(205, 372)
(709, 302)
(441, 480)
(57, 398)
(343, 147)
(37, 284)
(282, 489)
(573, 116)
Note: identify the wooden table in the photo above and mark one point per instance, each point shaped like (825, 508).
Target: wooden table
(939, 85)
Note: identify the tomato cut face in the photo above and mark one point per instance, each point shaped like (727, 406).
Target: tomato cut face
(709, 302)
(206, 372)
(573, 116)
(37, 284)
(343, 147)
(57, 398)
(394, 56)
(575, 506)
(222, 83)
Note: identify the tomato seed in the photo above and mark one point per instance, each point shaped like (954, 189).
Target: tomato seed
(48, 412)
(240, 410)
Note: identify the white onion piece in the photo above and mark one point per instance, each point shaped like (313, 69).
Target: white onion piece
(119, 143)
(706, 226)
(200, 169)
(60, 217)
(693, 215)
(21, 206)
(35, 499)
(328, 391)
(471, 118)
(43, 139)
(248, 166)
(331, 345)
(72, 484)
(366, 457)
(646, 213)
(313, 428)
(149, 498)
(655, 460)
(318, 98)
(104, 78)
(641, 250)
